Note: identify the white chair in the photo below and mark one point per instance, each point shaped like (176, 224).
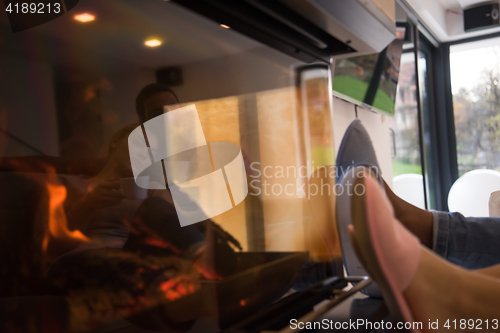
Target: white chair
(410, 188)
(470, 193)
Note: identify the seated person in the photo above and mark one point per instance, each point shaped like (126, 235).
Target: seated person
(417, 284)
(96, 206)
(470, 242)
(392, 238)
(152, 99)
(111, 214)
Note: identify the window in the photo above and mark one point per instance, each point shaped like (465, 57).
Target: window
(475, 81)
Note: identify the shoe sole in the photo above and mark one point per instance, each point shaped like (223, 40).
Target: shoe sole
(353, 266)
(393, 298)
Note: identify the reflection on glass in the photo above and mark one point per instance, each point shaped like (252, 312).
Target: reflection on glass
(77, 226)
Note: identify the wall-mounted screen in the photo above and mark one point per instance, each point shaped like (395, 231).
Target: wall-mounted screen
(371, 79)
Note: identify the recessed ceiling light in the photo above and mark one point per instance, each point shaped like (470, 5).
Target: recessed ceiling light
(152, 42)
(225, 26)
(84, 17)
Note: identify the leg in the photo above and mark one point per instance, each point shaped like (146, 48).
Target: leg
(156, 223)
(417, 284)
(442, 291)
(468, 242)
(417, 220)
(493, 271)
(157, 231)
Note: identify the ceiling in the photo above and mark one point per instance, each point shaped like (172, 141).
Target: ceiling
(118, 33)
(445, 18)
(117, 36)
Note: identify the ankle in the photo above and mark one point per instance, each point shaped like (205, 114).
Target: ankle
(418, 221)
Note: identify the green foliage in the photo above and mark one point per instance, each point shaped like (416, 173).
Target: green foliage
(477, 123)
(400, 168)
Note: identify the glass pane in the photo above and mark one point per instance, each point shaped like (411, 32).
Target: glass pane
(132, 204)
(475, 76)
(407, 159)
(423, 80)
(406, 166)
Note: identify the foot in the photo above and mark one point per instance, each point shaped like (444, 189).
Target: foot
(388, 250)
(356, 149)
(345, 215)
(418, 286)
(432, 294)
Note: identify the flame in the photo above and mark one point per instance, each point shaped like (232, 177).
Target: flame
(177, 287)
(159, 243)
(57, 232)
(206, 270)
